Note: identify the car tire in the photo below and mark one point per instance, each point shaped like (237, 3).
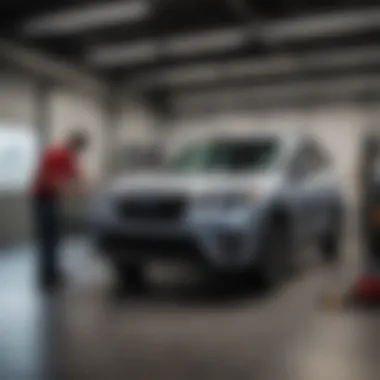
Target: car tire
(276, 255)
(129, 277)
(330, 243)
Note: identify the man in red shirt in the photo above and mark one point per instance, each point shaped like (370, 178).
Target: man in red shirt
(57, 169)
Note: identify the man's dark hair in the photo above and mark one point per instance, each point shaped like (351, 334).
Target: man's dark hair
(78, 140)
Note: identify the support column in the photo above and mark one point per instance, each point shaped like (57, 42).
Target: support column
(159, 103)
(112, 111)
(43, 111)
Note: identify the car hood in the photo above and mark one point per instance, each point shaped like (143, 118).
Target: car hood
(193, 184)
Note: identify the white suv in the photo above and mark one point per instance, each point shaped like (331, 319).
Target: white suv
(230, 204)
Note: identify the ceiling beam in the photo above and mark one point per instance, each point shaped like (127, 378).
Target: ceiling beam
(45, 67)
(243, 10)
(324, 25)
(250, 68)
(153, 49)
(267, 94)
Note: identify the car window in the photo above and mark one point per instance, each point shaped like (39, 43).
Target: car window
(309, 160)
(229, 155)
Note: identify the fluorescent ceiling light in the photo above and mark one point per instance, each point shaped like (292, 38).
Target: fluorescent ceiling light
(323, 25)
(86, 18)
(140, 52)
(108, 56)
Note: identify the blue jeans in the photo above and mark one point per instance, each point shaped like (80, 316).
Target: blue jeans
(47, 220)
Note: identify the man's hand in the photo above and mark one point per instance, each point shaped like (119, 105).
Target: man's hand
(58, 184)
(82, 186)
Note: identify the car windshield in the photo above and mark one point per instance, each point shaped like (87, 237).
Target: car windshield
(227, 155)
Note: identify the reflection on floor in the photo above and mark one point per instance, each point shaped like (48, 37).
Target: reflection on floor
(176, 331)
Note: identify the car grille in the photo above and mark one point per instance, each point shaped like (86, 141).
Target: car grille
(152, 208)
(230, 243)
(159, 246)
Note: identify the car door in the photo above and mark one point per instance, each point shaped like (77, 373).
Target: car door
(324, 190)
(305, 189)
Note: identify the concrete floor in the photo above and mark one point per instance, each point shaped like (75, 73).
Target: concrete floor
(177, 331)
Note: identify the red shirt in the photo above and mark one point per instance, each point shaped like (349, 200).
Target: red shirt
(57, 163)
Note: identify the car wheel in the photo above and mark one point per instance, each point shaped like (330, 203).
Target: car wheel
(129, 277)
(276, 255)
(330, 243)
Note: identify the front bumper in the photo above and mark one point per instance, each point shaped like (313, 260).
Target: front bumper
(226, 241)
(220, 247)
(142, 247)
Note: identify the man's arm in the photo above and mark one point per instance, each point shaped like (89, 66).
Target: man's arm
(77, 183)
(53, 177)
(57, 183)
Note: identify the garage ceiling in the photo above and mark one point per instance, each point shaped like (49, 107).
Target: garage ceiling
(166, 47)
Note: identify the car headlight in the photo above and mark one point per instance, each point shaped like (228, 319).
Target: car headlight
(100, 206)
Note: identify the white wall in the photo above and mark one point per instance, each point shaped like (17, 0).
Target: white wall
(136, 122)
(134, 125)
(17, 99)
(17, 110)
